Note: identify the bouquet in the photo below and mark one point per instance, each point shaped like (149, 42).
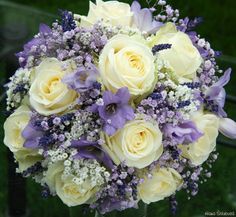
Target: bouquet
(120, 106)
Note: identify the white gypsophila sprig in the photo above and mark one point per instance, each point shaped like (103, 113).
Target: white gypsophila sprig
(184, 94)
(84, 125)
(17, 88)
(84, 170)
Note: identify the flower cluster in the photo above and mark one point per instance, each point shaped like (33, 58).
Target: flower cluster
(120, 106)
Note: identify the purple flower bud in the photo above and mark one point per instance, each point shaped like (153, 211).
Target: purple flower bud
(56, 120)
(61, 137)
(119, 182)
(44, 124)
(228, 128)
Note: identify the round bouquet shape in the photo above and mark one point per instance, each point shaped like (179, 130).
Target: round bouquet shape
(117, 109)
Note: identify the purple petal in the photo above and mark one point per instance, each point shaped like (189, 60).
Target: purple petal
(216, 88)
(115, 110)
(111, 204)
(217, 93)
(28, 132)
(82, 143)
(117, 120)
(213, 91)
(228, 128)
(32, 143)
(43, 28)
(109, 129)
(82, 79)
(91, 150)
(31, 137)
(128, 112)
(123, 94)
(143, 19)
(224, 79)
(221, 112)
(186, 132)
(84, 154)
(93, 108)
(155, 27)
(109, 98)
(135, 7)
(221, 98)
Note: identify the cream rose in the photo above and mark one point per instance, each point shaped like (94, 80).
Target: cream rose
(69, 192)
(113, 12)
(138, 144)
(199, 151)
(163, 183)
(27, 158)
(13, 127)
(183, 56)
(48, 94)
(13, 139)
(125, 62)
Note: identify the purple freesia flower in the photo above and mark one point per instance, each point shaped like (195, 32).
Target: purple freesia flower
(217, 94)
(115, 110)
(183, 133)
(143, 18)
(91, 150)
(35, 42)
(83, 79)
(32, 136)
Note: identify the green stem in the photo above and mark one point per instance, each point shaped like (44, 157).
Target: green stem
(97, 214)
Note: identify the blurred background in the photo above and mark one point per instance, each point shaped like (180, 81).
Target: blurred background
(19, 21)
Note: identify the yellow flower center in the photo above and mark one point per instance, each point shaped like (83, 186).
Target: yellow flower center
(135, 61)
(51, 85)
(138, 142)
(71, 190)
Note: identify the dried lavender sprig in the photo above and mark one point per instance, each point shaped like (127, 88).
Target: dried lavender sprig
(160, 47)
(67, 20)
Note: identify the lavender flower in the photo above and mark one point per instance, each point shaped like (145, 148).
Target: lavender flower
(143, 19)
(187, 25)
(216, 93)
(67, 21)
(160, 47)
(83, 79)
(114, 110)
(121, 191)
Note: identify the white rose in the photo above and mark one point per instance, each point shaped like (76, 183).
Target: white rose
(183, 56)
(125, 62)
(14, 126)
(138, 144)
(70, 193)
(48, 94)
(163, 183)
(13, 139)
(27, 158)
(113, 12)
(199, 151)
